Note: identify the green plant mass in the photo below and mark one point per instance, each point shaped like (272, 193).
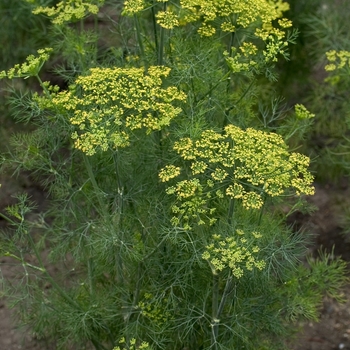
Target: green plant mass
(153, 136)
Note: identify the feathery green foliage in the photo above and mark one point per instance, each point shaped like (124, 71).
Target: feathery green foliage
(178, 96)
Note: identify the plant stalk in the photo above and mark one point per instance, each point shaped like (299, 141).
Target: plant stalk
(230, 211)
(161, 41)
(215, 309)
(93, 181)
(139, 40)
(155, 34)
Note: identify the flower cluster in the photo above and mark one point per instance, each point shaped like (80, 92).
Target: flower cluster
(132, 345)
(339, 64)
(30, 68)
(167, 19)
(230, 14)
(337, 60)
(274, 46)
(263, 17)
(234, 253)
(239, 164)
(70, 10)
(132, 7)
(109, 103)
(243, 59)
(302, 113)
(247, 57)
(154, 310)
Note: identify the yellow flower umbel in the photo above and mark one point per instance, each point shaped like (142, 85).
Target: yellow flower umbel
(337, 60)
(167, 19)
(70, 10)
(302, 113)
(232, 13)
(132, 7)
(339, 64)
(234, 253)
(259, 20)
(30, 68)
(109, 103)
(225, 15)
(245, 165)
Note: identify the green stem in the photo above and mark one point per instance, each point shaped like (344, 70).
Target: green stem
(93, 181)
(7, 219)
(215, 309)
(225, 294)
(136, 293)
(118, 204)
(161, 42)
(115, 161)
(96, 26)
(155, 30)
(90, 274)
(228, 85)
(139, 40)
(236, 103)
(262, 209)
(46, 91)
(230, 211)
(229, 49)
(24, 263)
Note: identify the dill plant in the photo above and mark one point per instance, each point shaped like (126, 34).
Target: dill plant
(162, 179)
(324, 28)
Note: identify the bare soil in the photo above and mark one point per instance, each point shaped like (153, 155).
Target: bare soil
(332, 332)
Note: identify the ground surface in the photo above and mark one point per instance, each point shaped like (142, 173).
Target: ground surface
(333, 330)
(331, 333)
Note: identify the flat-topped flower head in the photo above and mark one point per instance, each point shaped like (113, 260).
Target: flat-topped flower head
(167, 19)
(69, 10)
(132, 7)
(109, 103)
(245, 165)
(243, 13)
(225, 15)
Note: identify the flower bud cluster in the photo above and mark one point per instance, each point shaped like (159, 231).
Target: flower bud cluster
(154, 310)
(30, 68)
(133, 344)
(302, 113)
(238, 253)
